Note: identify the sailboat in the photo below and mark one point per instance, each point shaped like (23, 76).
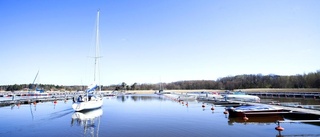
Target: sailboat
(38, 92)
(160, 91)
(92, 99)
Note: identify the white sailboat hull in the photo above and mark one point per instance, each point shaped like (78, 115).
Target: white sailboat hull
(87, 105)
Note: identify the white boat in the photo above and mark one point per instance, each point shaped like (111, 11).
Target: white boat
(161, 91)
(207, 95)
(92, 99)
(181, 96)
(241, 96)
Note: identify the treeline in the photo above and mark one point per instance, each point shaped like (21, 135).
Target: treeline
(46, 87)
(310, 80)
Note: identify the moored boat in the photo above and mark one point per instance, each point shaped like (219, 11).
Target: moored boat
(38, 92)
(241, 96)
(256, 110)
(92, 99)
(180, 97)
(255, 120)
(207, 95)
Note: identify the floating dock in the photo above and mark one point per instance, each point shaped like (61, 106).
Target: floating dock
(314, 95)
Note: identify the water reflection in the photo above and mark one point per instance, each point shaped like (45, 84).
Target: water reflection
(90, 120)
(297, 135)
(140, 98)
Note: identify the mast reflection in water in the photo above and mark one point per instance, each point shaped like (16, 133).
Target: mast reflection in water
(90, 120)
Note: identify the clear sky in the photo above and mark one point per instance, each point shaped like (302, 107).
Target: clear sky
(151, 41)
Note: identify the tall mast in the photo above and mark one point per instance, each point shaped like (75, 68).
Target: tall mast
(35, 80)
(97, 47)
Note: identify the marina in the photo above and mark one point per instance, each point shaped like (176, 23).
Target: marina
(145, 115)
(160, 68)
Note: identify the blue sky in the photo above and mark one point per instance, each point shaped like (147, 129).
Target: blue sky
(151, 41)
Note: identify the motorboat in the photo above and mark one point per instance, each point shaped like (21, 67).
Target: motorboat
(180, 96)
(256, 110)
(207, 95)
(255, 120)
(241, 96)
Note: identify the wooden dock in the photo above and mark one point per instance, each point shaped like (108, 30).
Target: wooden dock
(31, 100)
(314, 95)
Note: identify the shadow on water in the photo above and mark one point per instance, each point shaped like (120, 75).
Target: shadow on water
(298, 135)
(61, 113)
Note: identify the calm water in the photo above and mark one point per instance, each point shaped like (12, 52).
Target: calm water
(138, 116)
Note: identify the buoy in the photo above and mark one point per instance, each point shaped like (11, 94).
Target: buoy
(55, 101)
(212, 108)
(225, 112)
(187, 104)
(279, 128)
(245, 118)
(34, 103)
(203, 105)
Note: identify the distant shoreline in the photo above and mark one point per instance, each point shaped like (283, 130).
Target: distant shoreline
(221, 91)
(208, 90)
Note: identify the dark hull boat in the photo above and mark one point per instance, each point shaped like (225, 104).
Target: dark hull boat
(258, 110)
(255, 120)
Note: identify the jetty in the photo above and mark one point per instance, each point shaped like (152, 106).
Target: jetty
(21, 97)
(314, 95)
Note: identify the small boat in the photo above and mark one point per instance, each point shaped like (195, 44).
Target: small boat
(92, 99)
(256, 110)
(207, 95)
(241, 96)
(161, 91)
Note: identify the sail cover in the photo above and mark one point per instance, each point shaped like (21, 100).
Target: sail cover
(91, 88)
